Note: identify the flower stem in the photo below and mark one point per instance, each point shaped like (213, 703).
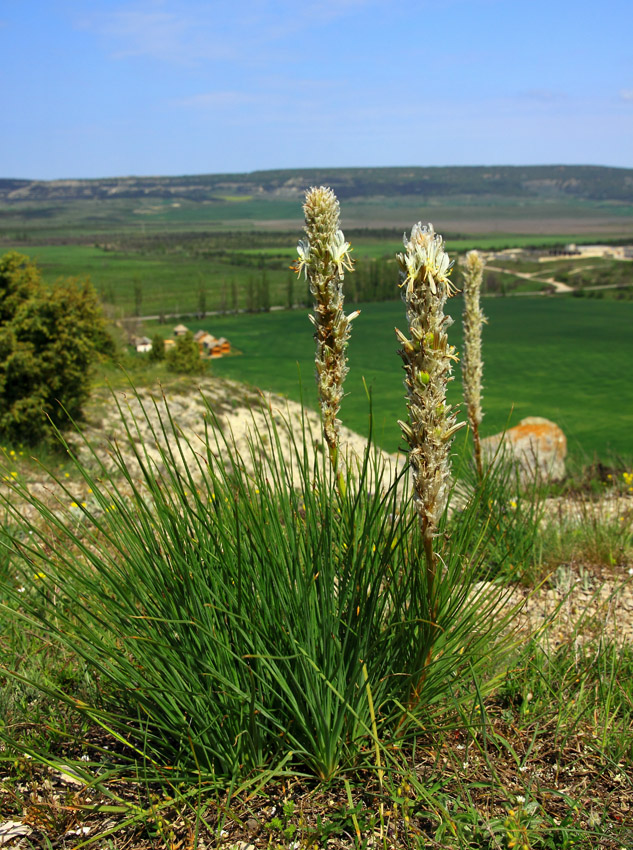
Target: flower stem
(324, 257)
(428, 359)
(472, 364)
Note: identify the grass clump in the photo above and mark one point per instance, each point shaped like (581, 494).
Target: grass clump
(244, 623)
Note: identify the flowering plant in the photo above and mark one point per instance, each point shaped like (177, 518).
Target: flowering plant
(324, 258)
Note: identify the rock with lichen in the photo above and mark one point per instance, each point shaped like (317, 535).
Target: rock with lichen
(537, 446)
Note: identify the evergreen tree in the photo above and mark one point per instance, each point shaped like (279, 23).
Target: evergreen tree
(49, 339)
(138, 297)
(263, 294)
(157, 351)
(250, 296)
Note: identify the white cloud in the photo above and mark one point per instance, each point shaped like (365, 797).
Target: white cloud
(626, 94)
(189, 31)
(159, 33)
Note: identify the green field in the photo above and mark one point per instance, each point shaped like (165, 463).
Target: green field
(504, 222)
(169, 283)
(458, 214)
(563, 358)
(170, 274)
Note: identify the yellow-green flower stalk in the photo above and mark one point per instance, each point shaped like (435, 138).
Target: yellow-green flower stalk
(324, 257)
(472, 364)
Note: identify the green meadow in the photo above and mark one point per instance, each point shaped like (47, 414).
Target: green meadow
(169, 283)
(170, 276)
(566, 359)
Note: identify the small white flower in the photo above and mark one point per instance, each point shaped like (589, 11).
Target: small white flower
(301, 263)
(520, 799)
(412, 265)
(324, 265)
(339, 251)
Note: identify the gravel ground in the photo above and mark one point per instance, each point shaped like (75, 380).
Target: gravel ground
(579, 605)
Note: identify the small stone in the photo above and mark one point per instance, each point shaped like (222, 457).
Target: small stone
(12, 829)
(68, 776)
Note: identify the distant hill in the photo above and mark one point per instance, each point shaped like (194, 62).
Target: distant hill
(590, 183)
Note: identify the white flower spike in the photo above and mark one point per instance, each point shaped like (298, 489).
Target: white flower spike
(324, 256)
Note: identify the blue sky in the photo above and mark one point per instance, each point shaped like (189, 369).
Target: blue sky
(146, 87)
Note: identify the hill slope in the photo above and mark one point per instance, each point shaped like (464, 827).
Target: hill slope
(595, 183)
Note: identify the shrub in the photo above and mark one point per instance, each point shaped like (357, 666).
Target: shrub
(49, 339)
(184, 357)
(157, 351)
